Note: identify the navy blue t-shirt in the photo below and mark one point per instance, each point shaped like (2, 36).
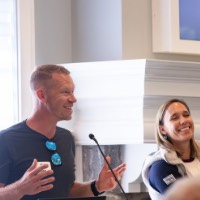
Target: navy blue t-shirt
(162, 175)
(19, 145)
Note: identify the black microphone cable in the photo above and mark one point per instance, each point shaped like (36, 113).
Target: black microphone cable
(91, 136)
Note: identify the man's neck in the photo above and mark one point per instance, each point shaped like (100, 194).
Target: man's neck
(42, 126)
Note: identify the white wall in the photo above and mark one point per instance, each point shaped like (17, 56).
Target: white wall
(52, 31)
(95, 30)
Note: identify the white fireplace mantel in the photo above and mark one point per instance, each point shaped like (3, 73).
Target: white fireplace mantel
(110, 101)
(118, 100)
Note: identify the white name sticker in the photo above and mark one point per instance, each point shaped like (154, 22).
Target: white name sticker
(169, 179)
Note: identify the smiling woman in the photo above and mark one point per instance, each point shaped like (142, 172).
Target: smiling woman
(178, 152)
(8, 64)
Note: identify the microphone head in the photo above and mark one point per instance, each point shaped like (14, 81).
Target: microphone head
(91, 136)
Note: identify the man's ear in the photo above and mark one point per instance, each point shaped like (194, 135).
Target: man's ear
(40, 94)
(162, 130)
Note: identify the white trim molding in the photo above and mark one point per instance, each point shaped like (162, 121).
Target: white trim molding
(26, 54)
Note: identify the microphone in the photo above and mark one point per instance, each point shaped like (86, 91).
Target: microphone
(91, 136)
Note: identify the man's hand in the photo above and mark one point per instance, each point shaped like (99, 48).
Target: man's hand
(35, 180)
(106, 181)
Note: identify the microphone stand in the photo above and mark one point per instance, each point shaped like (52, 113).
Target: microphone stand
(91, 136)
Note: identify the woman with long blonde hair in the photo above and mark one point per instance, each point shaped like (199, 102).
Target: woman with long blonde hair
(178, 152)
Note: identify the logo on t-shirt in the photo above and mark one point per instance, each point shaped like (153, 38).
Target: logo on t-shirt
(169, 179)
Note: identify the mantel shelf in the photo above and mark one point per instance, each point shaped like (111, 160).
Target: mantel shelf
(118, 100)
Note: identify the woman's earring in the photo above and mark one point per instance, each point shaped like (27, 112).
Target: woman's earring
(165, 136)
